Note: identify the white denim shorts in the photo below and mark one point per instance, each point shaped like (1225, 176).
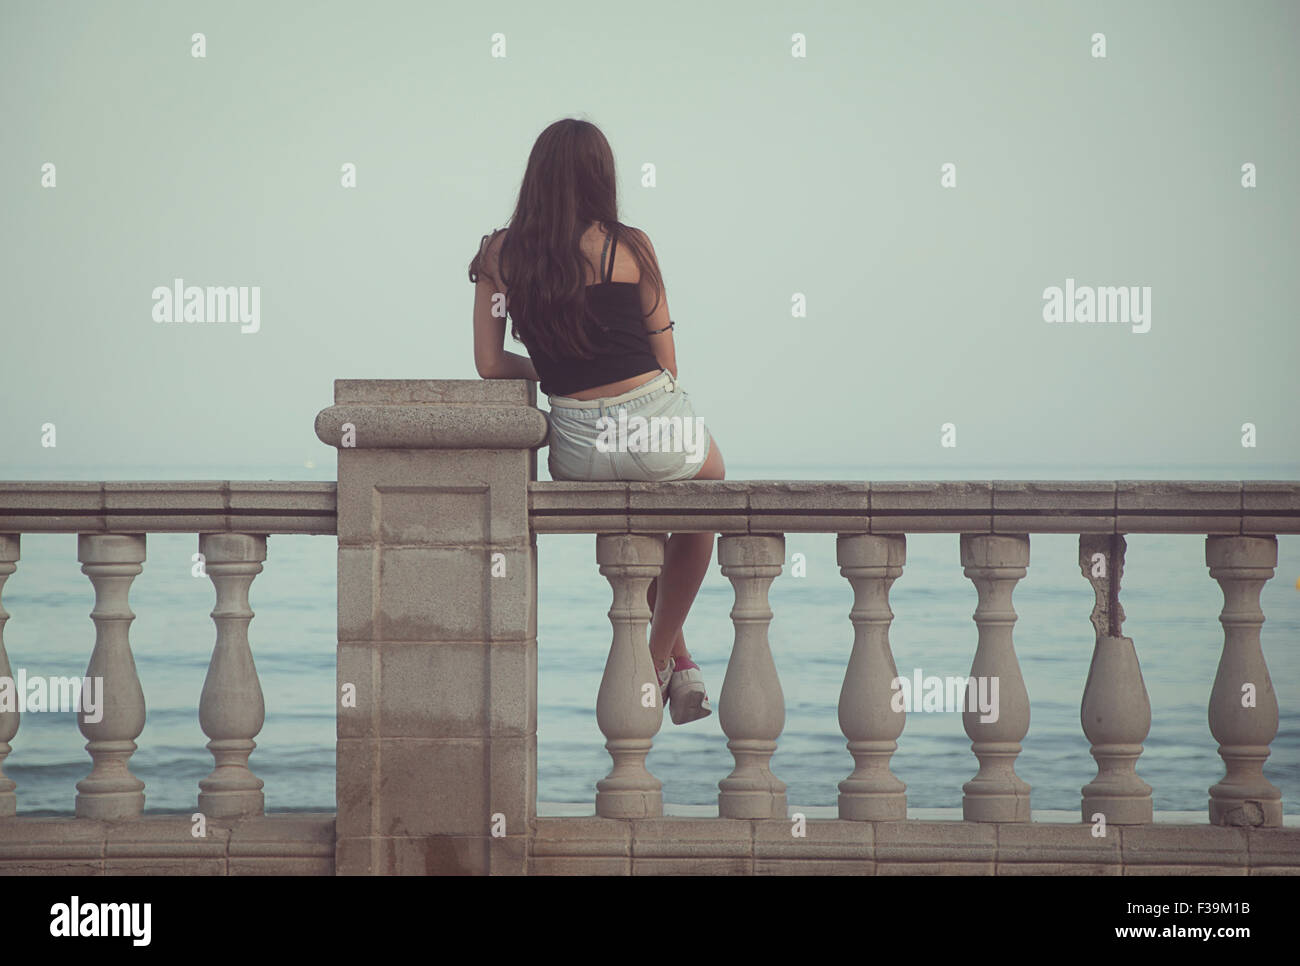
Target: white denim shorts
(649, 434)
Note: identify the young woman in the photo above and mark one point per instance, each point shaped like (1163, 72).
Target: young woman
(586, 299)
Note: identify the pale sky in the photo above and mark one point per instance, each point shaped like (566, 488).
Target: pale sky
(776, 175)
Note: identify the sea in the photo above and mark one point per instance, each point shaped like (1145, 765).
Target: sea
(1172, 609)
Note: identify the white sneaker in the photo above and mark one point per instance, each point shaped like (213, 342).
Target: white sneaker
(688, 700)
(665, 677)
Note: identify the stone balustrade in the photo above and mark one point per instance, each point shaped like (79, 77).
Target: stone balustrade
(112, 832)
(437, 511)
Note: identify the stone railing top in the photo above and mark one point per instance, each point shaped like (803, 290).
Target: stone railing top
(730, 506)
(889, 506)
(415, 414)
(395, 392)
(168, 506)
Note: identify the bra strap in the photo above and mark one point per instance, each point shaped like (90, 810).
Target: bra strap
(602, 258)
(613, 248)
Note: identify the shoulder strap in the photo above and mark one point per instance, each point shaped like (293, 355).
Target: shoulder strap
(613, 248)
(602, 258)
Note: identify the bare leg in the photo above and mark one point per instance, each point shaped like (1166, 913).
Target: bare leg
(686, 560)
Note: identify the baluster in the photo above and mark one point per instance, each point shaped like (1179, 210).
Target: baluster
(996, 794)
(629, 714)
(110, 791)
(867, 717)
(8, 719)
(1116, 712)
(231, 710)
(1243, 705)
(751, 707)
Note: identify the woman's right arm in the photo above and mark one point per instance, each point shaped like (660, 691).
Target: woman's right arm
(656, 322)
(490, 356)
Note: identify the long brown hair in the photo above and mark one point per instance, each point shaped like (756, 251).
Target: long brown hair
(568, 184)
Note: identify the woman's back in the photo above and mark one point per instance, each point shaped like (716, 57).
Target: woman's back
(620, 345)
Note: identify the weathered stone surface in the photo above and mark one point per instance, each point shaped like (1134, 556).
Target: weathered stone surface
(519, 392)
(1270, 506)
(1057, 847)
(51, 867)
(693, 866)
(816, 867)
(358, 575)
(578, 865)
(1208, 506)
(1055, 506)
(808, 506)
(1182, 846)
(164, 837)
(280, 865)
(432, 690)
(438, 484)
(931, 507)
(707, 505)
(660, 838)
(298, 844)
(305, 845)
(1274, 847)
(843, 841)
(449, 594)
(415, 426)
(168, 506)
(290, 836)
(164, 866)
(1013, 506)
(913, 844)
(585, 836)
(433, 787)
(356, 786)
(511, 783)
(45, 839)
(52, 496)
(567, 507)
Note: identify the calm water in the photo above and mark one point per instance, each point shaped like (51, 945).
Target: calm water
(1171, 603)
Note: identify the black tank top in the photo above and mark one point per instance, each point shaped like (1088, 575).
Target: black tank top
(621, 346)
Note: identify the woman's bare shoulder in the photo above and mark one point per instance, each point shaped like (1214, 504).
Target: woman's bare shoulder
(644, 240)
(489, 253)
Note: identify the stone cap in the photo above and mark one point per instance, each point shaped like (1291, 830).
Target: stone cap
(168, 506)
(1250, 507)
(387, 392)
(433, 414)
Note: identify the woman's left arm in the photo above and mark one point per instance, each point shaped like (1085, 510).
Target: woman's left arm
(490, 357)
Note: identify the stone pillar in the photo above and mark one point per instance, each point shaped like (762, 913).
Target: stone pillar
(629, 709)
(437, 622)
(8, 719)
(752, 707)
(1115, 712)
(111, 561)
(231, 710)
(996, 794)
(1243, 705)
(867, 717)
